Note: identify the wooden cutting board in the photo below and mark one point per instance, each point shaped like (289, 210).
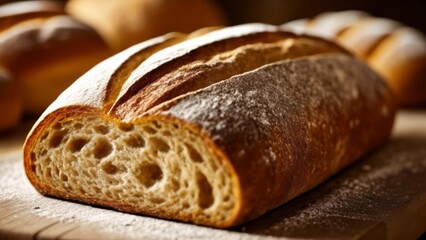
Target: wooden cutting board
(383, 196)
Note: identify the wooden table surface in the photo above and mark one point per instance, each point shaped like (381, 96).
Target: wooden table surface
(383, 196)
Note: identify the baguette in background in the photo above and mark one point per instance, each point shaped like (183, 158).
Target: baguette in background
(395, 51)
(43, 51)
(125, 23)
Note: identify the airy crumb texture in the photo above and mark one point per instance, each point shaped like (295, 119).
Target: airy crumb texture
(155, 167)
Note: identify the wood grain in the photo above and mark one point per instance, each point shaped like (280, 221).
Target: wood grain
(383, 196)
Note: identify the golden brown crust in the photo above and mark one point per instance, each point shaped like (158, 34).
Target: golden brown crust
(161, 79)
(102, 81)
(280, 129)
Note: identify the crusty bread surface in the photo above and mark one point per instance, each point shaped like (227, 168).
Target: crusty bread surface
(214, 130)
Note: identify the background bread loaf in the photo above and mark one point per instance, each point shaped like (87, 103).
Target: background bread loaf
(13, 13)
(395, 51)
(10, 101)
(44, 51)
(46, 55)
(213, 130)
(124, 23)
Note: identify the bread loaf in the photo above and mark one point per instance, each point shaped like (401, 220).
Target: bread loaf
(13, 13)
(124, 23)
(214, 130)
(395, 51)
(10, 101)
(45, 51)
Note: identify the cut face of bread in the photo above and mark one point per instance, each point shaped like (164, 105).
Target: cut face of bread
(156, 167)
(215, 130)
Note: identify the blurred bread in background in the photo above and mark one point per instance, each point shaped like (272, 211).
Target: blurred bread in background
(45, 55)
(125, 23)
(43, 51)
(395, 51)
(10, 101)
(11, 14)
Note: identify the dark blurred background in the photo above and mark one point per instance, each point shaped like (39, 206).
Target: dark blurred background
(409, 12)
